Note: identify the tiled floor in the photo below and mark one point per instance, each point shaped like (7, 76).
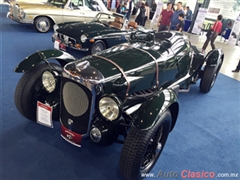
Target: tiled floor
(232, 53)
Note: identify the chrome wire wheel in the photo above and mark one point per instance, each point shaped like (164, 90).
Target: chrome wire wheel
(97, 47)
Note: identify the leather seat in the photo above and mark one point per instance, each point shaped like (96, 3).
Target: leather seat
(118, 22)
(132, 24)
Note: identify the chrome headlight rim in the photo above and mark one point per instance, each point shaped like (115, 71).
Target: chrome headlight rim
(55, 27)
(116, 109)
(22, 13)
(49, 81)
(83, 38)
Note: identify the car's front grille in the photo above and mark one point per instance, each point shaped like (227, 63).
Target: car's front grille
(15, 10)
(75, 106)
(66, 39)
(75, 99)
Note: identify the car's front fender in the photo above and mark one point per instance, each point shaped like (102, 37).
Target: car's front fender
(39, 56)
(151, 110)
(214, 57)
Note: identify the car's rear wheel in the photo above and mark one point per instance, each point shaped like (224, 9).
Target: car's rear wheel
(209, 77)
(43, 24)
(98, 46)
(142, 149)
(30, 89)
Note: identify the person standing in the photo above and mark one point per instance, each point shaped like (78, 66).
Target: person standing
(174, 20)
(164, 19)
(180, 25)
(147, 14)
(217, 28)
(130, 7)
(237, 68)
(141, 14)
(189, 14)
(123, 10)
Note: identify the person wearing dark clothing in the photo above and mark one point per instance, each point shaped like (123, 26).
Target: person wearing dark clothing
(180, 25)
(164, 19)
(237, 68)
(217, 28)
(154, 6)
(174, 19)
(141, 15)
(147, 14)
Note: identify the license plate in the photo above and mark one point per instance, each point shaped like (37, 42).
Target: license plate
(44, 114)
(71, 136)
(60, 46)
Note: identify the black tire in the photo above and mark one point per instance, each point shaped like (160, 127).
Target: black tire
(98, 46)
(28, 90)
(138, 143)
(209, 77)
(43, 24)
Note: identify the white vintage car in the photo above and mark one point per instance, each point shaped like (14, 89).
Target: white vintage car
(45, 15)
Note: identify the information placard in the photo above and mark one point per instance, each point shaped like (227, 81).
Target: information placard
(44, 114)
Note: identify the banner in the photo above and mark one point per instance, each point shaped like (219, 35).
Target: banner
(197, 28)
(235, 33)
(228, 8)
(157, 13)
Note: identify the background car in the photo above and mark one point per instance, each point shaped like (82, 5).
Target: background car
(45, 15)
(104, 31)
(128, 90)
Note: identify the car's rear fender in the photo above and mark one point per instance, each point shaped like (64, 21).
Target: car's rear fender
(41, 56)
(214, 57)
(151, 110)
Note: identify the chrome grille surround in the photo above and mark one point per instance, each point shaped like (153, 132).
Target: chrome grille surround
(76, 101)
(66, 39)
(16, 10)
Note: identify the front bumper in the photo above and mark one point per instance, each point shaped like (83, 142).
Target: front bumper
(17, 19)
(69, 45)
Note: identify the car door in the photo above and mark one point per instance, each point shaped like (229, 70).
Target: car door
(74, 11)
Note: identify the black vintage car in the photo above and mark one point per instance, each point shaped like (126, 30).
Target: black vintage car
(129, 90)
(104, 31)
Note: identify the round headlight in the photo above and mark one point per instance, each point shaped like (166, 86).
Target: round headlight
(55, 27)
(83, 38)
(22, 14)
(48, 81)
(109, 108)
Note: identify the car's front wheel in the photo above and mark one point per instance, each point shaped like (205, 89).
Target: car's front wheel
(98, 46)
(142, 148)
(43, 24)
(30, 89)
(209, 77)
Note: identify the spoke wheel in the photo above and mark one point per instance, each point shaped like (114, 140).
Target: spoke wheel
(98, 46)
(142, 148)
(209, 77)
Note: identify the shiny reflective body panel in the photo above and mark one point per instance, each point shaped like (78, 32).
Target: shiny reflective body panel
(55, 13)
(146, 73)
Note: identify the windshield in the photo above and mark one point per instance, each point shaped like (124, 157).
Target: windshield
(114, 20)
(58, 3)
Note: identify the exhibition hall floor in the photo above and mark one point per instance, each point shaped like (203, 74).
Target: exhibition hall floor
(204, 140)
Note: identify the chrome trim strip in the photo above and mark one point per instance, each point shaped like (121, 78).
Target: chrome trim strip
(119, 68)
(70, 141)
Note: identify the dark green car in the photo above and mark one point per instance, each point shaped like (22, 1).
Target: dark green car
(104, 31)
(128, 90)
